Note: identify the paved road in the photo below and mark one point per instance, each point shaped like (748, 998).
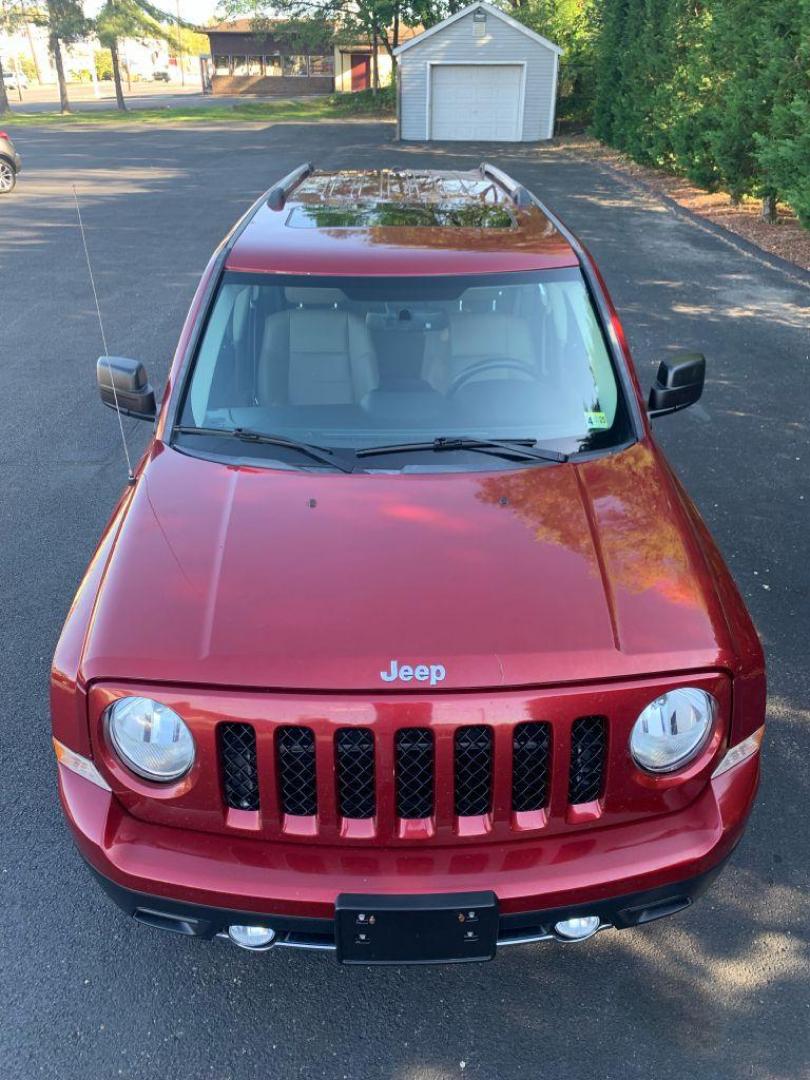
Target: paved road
(719, 992)
(143, 95)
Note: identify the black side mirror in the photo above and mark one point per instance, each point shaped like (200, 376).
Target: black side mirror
(125, 381)
(679, 383)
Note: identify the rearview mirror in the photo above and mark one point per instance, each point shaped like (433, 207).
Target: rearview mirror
(123, 384)
(679, 383)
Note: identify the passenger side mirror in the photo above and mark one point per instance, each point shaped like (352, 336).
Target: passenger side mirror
(679, 383)
(125, 381)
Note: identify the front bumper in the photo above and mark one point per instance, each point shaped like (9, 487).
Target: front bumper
(613, 870)
(196, 920)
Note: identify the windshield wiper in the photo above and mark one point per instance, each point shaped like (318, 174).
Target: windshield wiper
(525, 449)
(317, 453)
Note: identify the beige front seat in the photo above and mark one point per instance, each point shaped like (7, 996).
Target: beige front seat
(315, 353)
(472, 337)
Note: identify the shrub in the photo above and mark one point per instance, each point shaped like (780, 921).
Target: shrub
(366, 102)
(103, 62)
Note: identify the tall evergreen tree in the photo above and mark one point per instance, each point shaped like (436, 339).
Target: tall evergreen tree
(629, 106)
(693, 92)
(743, 104)
(782, 148)
(609, 67)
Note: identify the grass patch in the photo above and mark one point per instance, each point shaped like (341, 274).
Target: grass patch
(331, 107)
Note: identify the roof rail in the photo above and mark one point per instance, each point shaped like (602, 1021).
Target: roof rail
(517, 192)
(280, 192)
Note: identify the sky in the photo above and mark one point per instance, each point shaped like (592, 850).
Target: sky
(193, 11)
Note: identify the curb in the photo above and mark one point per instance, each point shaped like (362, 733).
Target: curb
(740, 243)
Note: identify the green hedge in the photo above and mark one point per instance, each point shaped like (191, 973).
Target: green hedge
(716, 89)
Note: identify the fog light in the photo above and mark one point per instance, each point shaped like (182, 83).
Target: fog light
(257, 938)
(578, 929)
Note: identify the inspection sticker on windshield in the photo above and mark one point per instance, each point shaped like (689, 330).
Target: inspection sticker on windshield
(596, 420)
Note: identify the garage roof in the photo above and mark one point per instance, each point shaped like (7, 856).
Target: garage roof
(490, 9)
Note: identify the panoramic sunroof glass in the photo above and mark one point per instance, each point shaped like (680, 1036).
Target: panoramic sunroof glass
(404, 215)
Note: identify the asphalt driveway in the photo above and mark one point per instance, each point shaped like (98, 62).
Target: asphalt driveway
(722, 991)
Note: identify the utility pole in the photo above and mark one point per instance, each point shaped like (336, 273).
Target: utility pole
(30, 37)
(94, 73)
(180, 48)
(11, 36)
(17, 73)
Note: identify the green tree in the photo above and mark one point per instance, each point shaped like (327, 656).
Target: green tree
(716, 89)
(131, 19)
(347, 20)
(608, 67)
(11, 18)
(631, 103)
(103, 62)
(692, 93)
(785, 157)
(781, 146)
(573, 25)
(66, 24)
(742, 104)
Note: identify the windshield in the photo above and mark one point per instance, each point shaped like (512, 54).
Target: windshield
(355, 363)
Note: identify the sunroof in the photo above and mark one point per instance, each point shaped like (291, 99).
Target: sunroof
(403, 215)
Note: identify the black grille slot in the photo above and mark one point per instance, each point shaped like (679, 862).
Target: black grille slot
(240, 778)
(531, 743)
(414, 771)
(296, 770)
(473, 746)
(354, 749)
(588, 745)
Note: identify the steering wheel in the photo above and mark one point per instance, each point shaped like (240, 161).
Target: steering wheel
(503, 363)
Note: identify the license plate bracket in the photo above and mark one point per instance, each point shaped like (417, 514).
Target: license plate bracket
(438, 928)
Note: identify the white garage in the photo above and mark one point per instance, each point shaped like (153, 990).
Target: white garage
(477, 76)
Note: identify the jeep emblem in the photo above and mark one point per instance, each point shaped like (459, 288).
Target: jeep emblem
(432, 673)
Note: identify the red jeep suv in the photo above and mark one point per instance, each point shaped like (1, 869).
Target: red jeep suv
(404, 640)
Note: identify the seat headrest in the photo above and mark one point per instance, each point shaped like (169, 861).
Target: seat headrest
(313, 297)
(483, 299)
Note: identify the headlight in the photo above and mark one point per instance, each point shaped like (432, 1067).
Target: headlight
(673, 729)
(150, 738)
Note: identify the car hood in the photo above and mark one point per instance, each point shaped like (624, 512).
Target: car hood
(268, 578)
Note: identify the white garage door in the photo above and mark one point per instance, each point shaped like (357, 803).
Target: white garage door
(475, 101)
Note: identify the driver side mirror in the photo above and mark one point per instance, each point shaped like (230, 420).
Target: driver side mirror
(125, 381)
(679, 383)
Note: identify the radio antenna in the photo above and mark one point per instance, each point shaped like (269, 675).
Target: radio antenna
(130, 474)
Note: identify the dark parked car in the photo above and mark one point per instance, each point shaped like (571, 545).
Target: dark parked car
(10, 164)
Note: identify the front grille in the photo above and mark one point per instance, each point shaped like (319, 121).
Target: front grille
(531, 743)
(295, 747)
(354, 752)
(588, 745)
(446, 778)
(240, 778)
(473, 771)
(414, 772)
